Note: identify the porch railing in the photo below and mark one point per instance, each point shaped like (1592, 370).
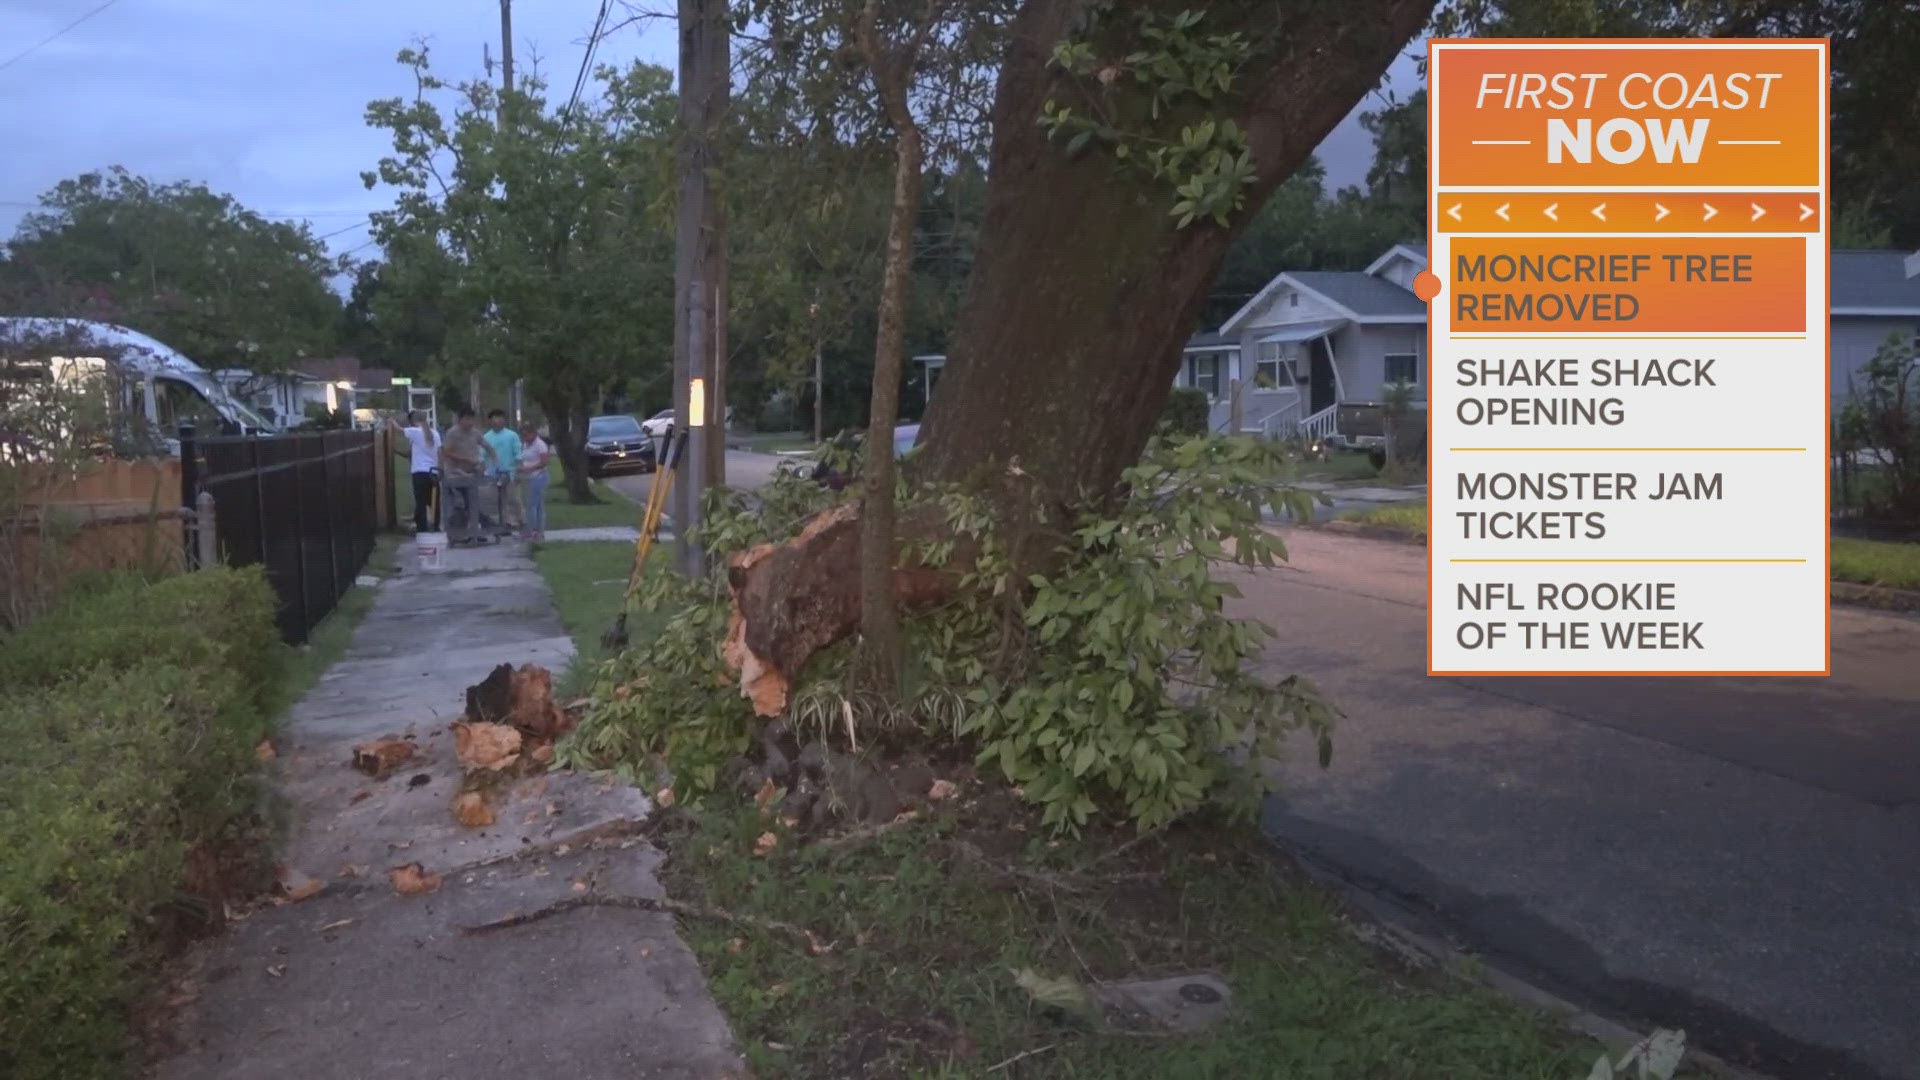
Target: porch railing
(1321, 424)
(1280, 423)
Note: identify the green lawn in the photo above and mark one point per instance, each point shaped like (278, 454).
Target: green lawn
(929, 922)
(589, 581)
(327, 641)
(613, 509)
(1876, 562)
(1410, 518)
(1338, 468)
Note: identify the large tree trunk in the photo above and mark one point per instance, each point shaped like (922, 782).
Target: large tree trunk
(567, 421)
(1082, 294)
(1084, 288)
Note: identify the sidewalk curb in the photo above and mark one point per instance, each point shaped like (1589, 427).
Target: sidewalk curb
(1389, 921)
(1879, 597)
(1371, 532)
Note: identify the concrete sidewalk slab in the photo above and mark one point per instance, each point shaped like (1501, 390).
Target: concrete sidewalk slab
(626, 533)
(360, 981)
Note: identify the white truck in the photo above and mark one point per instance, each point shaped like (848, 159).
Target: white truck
(152, 389)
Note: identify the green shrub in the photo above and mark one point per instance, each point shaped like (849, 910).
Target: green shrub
(110, 779)
(215, 619)
(129, 736)
(1186, 414)
(1113, 684)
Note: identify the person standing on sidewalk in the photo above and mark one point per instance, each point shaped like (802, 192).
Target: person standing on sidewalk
(466, 458)
(532, 481)
(423, 453)
(504, 467)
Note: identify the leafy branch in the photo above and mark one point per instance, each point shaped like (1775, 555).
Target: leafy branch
(1182, 72)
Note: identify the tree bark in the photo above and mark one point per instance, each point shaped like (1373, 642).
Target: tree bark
(1084, 289)
(567, 421)
(892, 69)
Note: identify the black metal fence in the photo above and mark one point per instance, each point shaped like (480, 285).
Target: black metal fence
(301, 505)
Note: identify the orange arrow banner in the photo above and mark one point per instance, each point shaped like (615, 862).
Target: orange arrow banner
(1630, 212)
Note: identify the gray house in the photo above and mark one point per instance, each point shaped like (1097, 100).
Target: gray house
(1874, 294)
(1312, 340)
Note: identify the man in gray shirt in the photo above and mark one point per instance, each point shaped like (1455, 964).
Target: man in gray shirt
(464, 458)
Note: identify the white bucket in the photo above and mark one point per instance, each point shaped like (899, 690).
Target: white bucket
(430, 545)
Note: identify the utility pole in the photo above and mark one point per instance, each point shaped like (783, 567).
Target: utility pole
(506, 45)
(719, 75)
(700, 286)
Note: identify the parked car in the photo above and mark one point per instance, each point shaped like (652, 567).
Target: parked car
(1362, 425)
(659, 425)
(618, 444)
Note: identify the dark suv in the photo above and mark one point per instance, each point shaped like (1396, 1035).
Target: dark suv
(616, 444)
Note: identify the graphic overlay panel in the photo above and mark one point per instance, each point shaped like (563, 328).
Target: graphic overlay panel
(1628, 386)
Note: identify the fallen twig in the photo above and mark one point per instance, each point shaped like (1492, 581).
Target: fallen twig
(1037, 877)
(643, 903)
(862, 834)
(1120, 849)
(1022, 1056)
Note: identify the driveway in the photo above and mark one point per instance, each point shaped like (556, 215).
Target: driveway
(1738, 857)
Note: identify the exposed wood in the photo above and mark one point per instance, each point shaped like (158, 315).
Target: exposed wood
(791, 600)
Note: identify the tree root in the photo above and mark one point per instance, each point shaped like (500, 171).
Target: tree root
(814, 945)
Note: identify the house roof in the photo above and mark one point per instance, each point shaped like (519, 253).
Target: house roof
(1357, 295)
(1368, 298)
(1873, 283)
(1304, 331)
(334, 369)
(1211, 341)
(1406, 249)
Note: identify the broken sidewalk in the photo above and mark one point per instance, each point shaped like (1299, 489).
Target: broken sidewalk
(363, 980)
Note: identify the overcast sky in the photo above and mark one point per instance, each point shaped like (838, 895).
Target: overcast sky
(263, 99)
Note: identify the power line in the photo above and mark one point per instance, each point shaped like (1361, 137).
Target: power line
(29, 50)
(586, 58)
(343, 228)
(307, 215)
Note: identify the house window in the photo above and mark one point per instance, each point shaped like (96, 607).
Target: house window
(1293, 299)
(1274, 366)
(1402, 368)
(1205, 369)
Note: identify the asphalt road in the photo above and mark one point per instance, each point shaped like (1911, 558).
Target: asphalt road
(745, 469)
(1738, 857)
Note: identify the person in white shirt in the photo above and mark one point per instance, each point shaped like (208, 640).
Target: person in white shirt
(531, 475)
(423, 452)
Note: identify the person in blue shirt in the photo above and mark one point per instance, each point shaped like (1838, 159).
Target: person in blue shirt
(502, 465)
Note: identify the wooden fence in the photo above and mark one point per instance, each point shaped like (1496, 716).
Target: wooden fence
(111, 515)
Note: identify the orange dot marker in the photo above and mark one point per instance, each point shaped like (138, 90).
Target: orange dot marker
(1426, 285)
